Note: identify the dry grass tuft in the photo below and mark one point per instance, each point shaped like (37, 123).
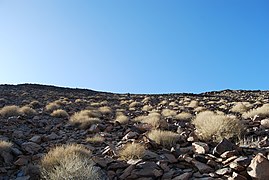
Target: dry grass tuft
(9, 111)
(68, 162)
(183, 116)
(85, 118)
(217, 126)
(52, 106)
(132, 151)
(168, 113)
(262, 112)
(5, 146)
(134, 104)
(240, 107)
(26, 110)
(59, 113)
(97, 139)
(153, 119)
(193, 104)
(147, 108)
(164, 138)
(122, 119)
(105, 110)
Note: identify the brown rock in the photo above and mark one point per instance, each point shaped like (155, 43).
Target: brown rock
(23, 160)
(223, 146)
(170, 157)
(259, 167)
(127, 171)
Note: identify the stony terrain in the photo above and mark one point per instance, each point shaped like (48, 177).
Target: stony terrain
(115, 121)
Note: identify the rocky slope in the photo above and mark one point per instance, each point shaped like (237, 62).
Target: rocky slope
(33, 134)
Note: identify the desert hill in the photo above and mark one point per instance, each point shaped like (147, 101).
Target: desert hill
(49, 132)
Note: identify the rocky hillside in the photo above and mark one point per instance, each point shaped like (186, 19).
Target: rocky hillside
(49, 132)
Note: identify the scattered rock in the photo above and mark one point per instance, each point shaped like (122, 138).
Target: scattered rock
(200, 148)
(258, 167)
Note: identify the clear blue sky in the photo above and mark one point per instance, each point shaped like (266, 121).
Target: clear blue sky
(141, 46)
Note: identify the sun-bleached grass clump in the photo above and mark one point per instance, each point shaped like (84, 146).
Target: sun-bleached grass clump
(240, 107)
(59, 113)
(153, 119)
(35, 104)
(210, 125)
(122, 119)
(68, 162)
(262, 112)
(27, 111)
(97, 139)
(8, 111)
(134, 104)
(193, 104)
(199, 109)
(85, 118)
(105, 110)
(5, 146)
(147, 108)
(52, 106)
(183, 116)
(164, 138)
(132, 151)
(168, 112)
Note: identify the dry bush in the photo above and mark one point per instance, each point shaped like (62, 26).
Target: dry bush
(122, 119)
(59, 113)
(26, 110)
(199, 109)
(132, 151)
(105, 110)
(210, 125)
(164, 138)
(153, 119)
(173, 103)
(193, 104)
(35, 104)
(146, 100)
(68, 162)
(168, 113)
(97, 139)
(84, 118)
(183, 116)
(8, 111)
(262, 112)
(162, 103)
(240, 107)
(5, 146)
(134, 104)
(52, 106)
(147, 108)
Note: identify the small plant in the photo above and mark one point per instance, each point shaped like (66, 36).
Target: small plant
(105, 110)
(85, 118)
(132, 151)
(122, 119)
(27, 111)
(5, 146)
(193, 104)
(97, 139)
(59, 113)
(8, 111)
(68, 162)
(153, 119)
(168, 113)
(262, 112)
(210, 125)
(240, 107)
(183, 116)
(52, 106)
(164, 138)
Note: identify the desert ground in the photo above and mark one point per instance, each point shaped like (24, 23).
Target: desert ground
(49, 132)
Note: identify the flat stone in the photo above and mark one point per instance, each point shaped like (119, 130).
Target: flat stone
(23, 160)
(7, 156)
(259, 167)
(36, 139)
(224, 171)
(223, 146)
(148, 169)
(127, 171)
(203, 168)
(170, 157)
(184, 176)
(200, 147)
(31, 147)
